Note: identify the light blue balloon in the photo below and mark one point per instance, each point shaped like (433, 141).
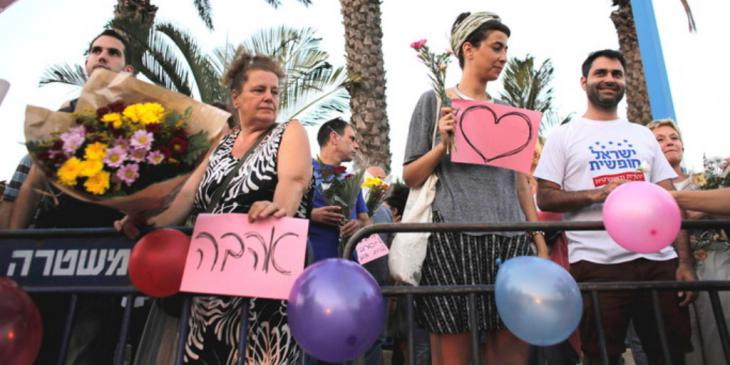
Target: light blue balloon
(538, 300)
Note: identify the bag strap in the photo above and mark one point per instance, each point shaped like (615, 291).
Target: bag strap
(218, 193)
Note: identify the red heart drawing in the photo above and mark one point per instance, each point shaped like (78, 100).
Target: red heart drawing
(484, 150)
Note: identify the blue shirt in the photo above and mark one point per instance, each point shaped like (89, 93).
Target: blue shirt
(324, 238)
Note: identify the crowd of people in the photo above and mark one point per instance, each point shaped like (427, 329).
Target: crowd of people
(267, 169)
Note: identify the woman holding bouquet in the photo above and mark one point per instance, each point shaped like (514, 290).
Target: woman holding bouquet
(261, 168)
(468, 194)
(710, 248)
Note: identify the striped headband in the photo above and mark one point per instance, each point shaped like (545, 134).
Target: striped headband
(468, 26)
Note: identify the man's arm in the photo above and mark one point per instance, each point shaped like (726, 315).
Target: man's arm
(28, 199)
(550, 197)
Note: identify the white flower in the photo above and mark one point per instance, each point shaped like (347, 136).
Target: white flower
(644, 167)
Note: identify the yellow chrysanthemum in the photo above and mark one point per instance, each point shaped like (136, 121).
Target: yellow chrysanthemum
(372, 182)
(95, 151)
(98, 184)
(69, 171)
(114, 118)
(145, 113)
(90, 167)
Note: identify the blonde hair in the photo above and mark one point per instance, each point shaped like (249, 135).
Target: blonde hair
(664, 123)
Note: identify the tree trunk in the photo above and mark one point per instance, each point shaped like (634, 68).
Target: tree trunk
(637, 97)
(363, 48)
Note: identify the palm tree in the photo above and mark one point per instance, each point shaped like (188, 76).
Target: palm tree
(314, 90)
(637, 97)
(363, 48)
(528, 87)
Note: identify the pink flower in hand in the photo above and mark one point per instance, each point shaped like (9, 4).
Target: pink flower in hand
(115, 156)
(128, 173)
(418, 44)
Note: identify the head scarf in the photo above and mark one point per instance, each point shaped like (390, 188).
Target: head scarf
(468, 26)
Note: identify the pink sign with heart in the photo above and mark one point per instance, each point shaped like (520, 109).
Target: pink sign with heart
(495, 135)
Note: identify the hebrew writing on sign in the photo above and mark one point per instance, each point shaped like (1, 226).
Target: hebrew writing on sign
(230, 256)
(495, 135)
(370, 248)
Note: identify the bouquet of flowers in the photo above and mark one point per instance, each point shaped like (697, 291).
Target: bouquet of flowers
(716, 174)
(377, 190)
(339, 187)
(128, 145)
(437, 65)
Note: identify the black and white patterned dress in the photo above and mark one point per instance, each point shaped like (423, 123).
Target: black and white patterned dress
(215, 320)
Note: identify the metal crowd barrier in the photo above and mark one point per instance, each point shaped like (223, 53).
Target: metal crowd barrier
(78, 261)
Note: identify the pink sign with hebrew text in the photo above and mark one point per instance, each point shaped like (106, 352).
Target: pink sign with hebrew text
(371, 248)
(230, 256)
(495, 135)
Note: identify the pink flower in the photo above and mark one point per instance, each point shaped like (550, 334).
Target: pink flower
(128, 173)
(418, 44)
(155, 157)
(142, 139)
(71, 142)
(121, 141)
(137, 154)
(115, 156)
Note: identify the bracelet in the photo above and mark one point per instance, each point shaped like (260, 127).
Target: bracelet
(533, 233)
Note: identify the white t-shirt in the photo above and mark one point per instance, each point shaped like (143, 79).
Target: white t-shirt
(586, 154)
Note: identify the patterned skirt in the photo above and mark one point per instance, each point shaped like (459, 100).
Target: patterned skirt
(460, 259)
(215, 324)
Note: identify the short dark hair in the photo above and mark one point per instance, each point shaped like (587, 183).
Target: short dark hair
(118, 35)
(336, 125)
(608, 53)
(398, 197)
(476, 37)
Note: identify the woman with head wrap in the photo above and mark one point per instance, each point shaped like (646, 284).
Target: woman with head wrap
(468, 194)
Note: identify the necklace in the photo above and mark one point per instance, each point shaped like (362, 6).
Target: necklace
(466, 97)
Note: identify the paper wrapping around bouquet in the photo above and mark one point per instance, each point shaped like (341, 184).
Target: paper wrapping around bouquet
(103, 88)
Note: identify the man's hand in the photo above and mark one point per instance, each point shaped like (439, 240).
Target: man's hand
(349, 228)
(328, 215)
(601, 194)
(131, 225)
(685, 272)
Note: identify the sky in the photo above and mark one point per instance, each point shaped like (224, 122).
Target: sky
(35, 34)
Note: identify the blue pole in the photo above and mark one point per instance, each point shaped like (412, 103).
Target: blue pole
(655, 72)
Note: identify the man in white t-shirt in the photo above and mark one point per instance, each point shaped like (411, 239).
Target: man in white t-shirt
(582, 162)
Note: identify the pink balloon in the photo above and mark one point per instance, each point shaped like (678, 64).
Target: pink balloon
(641, 217)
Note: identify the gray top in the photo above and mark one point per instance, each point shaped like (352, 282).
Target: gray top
(465, 193)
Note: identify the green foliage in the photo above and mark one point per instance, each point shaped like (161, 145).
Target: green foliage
(198, 144)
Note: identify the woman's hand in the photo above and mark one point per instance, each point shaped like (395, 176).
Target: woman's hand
(264, 209)
(447, 122)
(541, 245)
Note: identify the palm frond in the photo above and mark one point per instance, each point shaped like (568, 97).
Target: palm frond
(65, 74)
(320, 100)
(690, 17)
(204, 75)
(276, 3)
(205, 12)
(527, 87)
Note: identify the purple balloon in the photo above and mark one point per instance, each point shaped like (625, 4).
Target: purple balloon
(336, 310)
